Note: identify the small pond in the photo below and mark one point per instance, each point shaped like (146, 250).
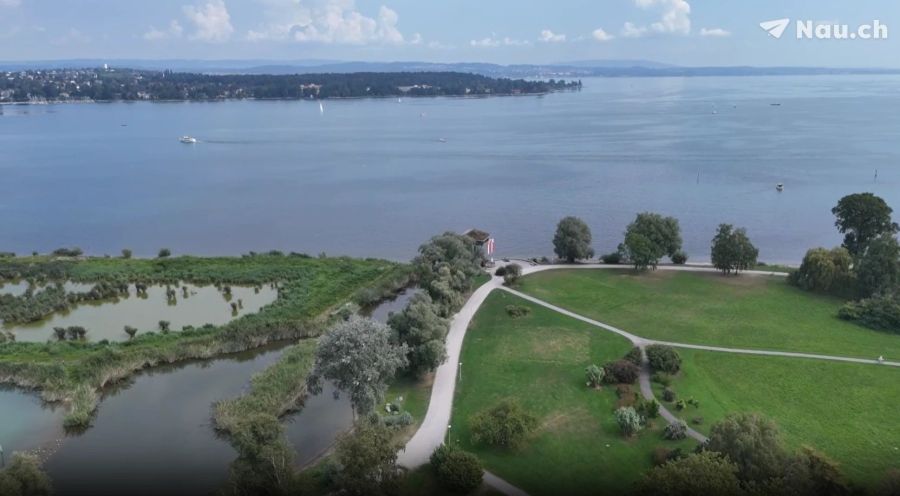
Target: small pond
(107, 319)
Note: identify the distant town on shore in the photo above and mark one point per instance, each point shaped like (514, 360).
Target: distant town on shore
(115, 84)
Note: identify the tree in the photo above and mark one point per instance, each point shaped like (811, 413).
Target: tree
(621, 371)
(126, 253)
(594, 375)
(164, 326)
(367, 458)
(164, 253)
(862, 217)
(640, 251)
(752, 442)
(506, 425)
(700, 473)
(572, 240)
(420, 327)
(629, 420)
(878, 267)
(24, 477)
(663, 358)
(732, 250)
(358, 356)
(675, 431)
(457, 470)
(446, 267)
(131, 331)
(512, 274)
(824, 270)
(813, 473)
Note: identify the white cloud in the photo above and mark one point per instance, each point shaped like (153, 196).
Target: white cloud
(714, 32)
(676, 18)
(629, 30)
(548, 36)
(211, 21)
(493, 41)
(72, 36)
(600, 35)
(174, 31)
(328, 21)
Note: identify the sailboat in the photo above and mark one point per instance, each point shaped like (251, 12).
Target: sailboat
(321, 108)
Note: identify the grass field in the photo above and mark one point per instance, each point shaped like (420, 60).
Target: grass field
(848, 411)
(710, 309)
(539, 360)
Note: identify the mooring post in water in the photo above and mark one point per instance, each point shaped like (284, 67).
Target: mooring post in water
(2, 459)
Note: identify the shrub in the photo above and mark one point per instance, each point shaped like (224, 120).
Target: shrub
(663, 358)
(164, 326)
(398, 421)
(630, 422)
(680, 405)
(697, 420)
(623, 390)
(662, 378)
(131, 331)
(516, 311)
(881, 312)
(675, 431)
(660, 455)
(621, 371)
(613, 258)
(501, 271)
(648, 408)
(513, 272)
(634, 356)
(594, 376)
(67, 252)
(668, 394)
(126, 253)
(164, 253)
(457, 470)
(679, 258)
(506, 425)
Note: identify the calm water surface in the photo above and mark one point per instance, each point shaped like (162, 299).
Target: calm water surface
(107, 319)
(370, 177)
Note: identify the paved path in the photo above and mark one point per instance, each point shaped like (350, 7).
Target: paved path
(433, 430)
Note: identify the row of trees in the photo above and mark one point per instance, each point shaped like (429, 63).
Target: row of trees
(649, 238)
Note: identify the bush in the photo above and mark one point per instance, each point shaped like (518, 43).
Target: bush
(501, 271)
(648, 408)
(660, 455)
(634, 356)
(513, 272)
(679, 258)
(881, 312)
(663, 358)
(164, 253)
(613, 258)
(675, 431)
(668, 394)
(680, 405)
(621, 371)
(516, 311)
(398, 421)
(662, 379)
(594, 376)
(630, 422)
(506, 425)
(457, 470)
(126, 253)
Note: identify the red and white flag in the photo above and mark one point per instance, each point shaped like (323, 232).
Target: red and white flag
(490, 246)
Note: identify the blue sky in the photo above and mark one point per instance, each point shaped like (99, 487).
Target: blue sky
(685, 32)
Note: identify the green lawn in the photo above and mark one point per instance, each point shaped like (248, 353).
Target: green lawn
(849, 411)
(746, 311)
(539, 360)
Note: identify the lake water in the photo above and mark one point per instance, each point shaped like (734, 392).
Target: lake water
(370, 177)
(107, 319)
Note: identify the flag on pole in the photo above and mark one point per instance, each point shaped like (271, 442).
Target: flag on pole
(490, 246)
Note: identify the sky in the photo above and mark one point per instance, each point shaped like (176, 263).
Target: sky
(681, 32)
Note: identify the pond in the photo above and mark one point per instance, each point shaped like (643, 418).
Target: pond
(383, 310)
(197, 306)
(153, 434)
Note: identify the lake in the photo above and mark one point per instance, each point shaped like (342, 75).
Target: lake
(107, 319)
(372, 178)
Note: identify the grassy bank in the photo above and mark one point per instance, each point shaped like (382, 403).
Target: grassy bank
(710, 309)
(539, 360)
(847, 411)
(73, 371)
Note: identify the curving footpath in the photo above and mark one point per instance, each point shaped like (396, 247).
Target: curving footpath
(433, 430)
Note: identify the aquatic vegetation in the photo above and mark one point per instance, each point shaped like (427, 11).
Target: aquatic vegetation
(308, 289)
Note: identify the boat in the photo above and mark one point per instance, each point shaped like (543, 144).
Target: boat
(321, 108)
(442, 140)
(779, 187)
(188, 139)
(775, 104)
